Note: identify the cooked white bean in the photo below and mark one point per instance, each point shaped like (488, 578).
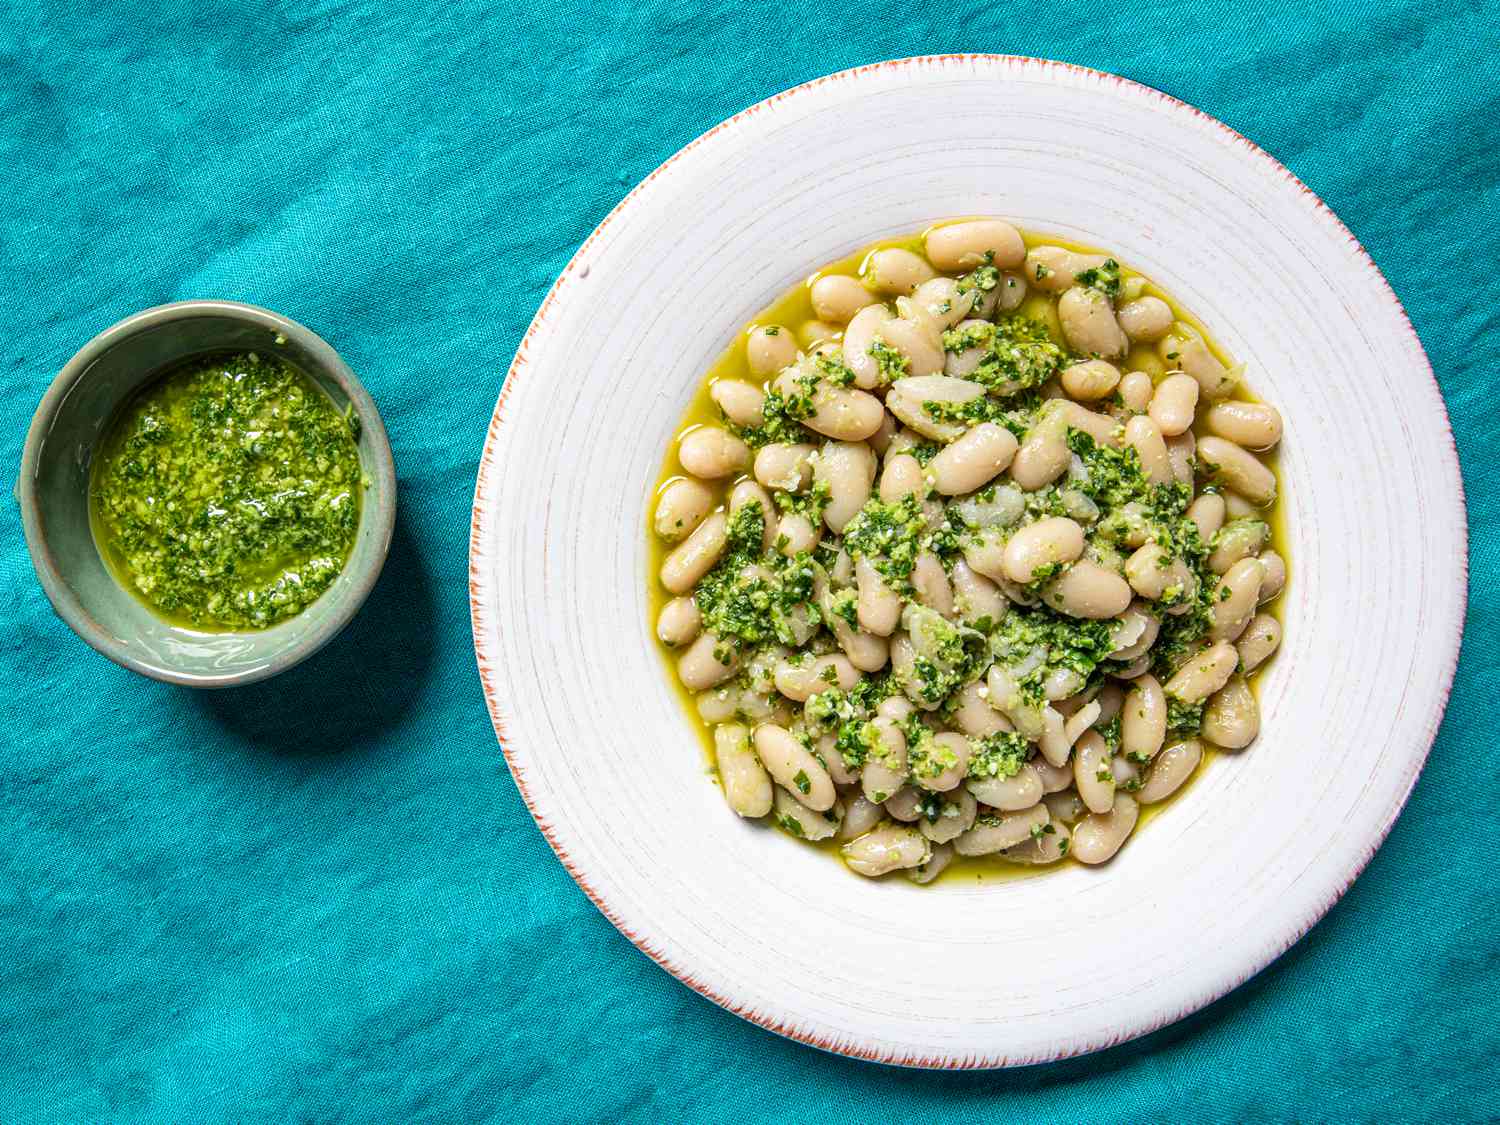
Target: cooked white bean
(1101, 427)
(794, 767)
(937, 862)
(908, 398)
(1259, 640)
(956, 813)
(1048, 542)
(1044, 455)
(1252, 425)
(1144, 436)
(741, 403)
(1049, 847)
(1066, 806)
(901, 476)
(1054, 778)
(826, 751)
(848, 468)
(747, 786)
(1154, 573)
(1133, 632)
(1136, 390)
(905, 804)
(1009, 794)
(837, 297)
(943, 301)
(1088, 590)
(1191, 355)
(679, 622)
(973, 460)
(884, 772)
(1143, 719)
(768, 349)
(1098, 836)
(892, 848)
(841, 413)
(1236, 507)
(711, 452)
(1126, 773)
(1146, 319)
(681, 506)
(1051, 730)
(730, 701)
(1275, 580)
(881, 439)
(1241, 470)
(1089, 324)
(916, 336)
(992, 832)
(1090, 380)
(859, 337)
(1054, 269)
(879, 607)
(945, 764)
(973, 714)
(695, 556)
(796, 819)
(976, 600)
(1111, 699)
(930, 583)
(1235, 599)
(860, 816)
(797, 679)
(1181, 449)
(1241, 539)
(895, 271)
(1204, 673)
(1091, 772)
(1231, 717)
(1169, 770)
(1207, 514)
(1010, 292)
(747, 492)
(980, 242)
(1174, 403)
(796, 533)
(784, 467)
(707, 661)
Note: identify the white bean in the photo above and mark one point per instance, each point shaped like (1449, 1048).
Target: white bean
(837, 297)
(1066, 806)
(934, 774)
(681, 506)
(859, 337)
(895, 271)
(848, 468)
(1174, 403)
(1181, 449)
(1054, 269)
(1010, 292)
(1101, 427)
(784, 467)
(1054, 778)
(908, 397)
(1144, 436)
(941, 299)
(695, 556)
(1143, 719)
(841, 413)
(768, 349)
(956, 814)
(930, 583)
(701, 665)
(884, 771)
(1090, 380)
(679, 622)
(794, 767)
(1098, 836)
(905, 804)
(747, 492)
(1231, 717)
(860, 815)
(973, 714)
(796, 533)
(1207, 514)
(1191, 355)
(1136, 390)
(1145, 319)
(1275, 580)
(1154, 574)
(1044, 455)
(1054, 540)
(741, 403)
(973, 460)
(1169, 770)
(1259, 640)
(892, 848)
(1088, 590)
(1049, 847)
(796, 819)
(976, 599)
(800, 678)
(1009, 794)
(1252, 425)
(747, 786)
(978, 242)
(1091, 772)
(1089, 324)
(937, 862)
(712, 452)
(992, 832)
(879, 607)
(1235, 599)
(1204, 673)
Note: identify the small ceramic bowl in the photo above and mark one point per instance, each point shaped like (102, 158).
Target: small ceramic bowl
(53, 492)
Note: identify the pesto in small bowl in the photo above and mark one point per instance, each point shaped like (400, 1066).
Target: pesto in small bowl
(226, 494)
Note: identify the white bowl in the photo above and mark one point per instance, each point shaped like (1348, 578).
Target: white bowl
(1232, 873)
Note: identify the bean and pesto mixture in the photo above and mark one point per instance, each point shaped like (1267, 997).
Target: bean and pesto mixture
(227, 494)
(972, 561)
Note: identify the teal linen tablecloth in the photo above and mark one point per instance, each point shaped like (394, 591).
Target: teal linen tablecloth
(322, 898)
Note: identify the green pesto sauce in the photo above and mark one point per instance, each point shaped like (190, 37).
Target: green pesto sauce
(226, 495)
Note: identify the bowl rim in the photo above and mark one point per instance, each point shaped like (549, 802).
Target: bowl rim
(381, 468)
(480, 609)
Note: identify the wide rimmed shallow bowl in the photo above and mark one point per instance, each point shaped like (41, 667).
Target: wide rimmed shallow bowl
(966, 975)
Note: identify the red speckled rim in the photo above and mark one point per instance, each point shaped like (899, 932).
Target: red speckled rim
(519, 366)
